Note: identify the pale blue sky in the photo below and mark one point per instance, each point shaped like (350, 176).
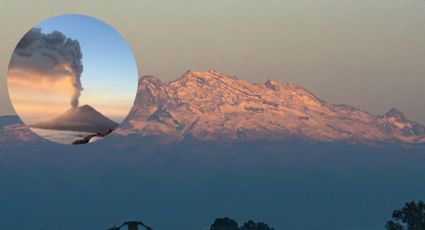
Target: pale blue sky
(110, 69)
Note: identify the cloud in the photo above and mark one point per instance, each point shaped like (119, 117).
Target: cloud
(51, 57)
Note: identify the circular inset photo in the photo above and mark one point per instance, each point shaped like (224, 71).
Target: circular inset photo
(72, 79)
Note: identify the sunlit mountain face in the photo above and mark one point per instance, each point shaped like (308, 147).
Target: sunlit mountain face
(216, 107)
(211, 106)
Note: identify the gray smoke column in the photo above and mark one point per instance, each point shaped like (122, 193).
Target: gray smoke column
(53, 55)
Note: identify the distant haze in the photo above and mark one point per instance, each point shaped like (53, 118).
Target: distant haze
(369, 54)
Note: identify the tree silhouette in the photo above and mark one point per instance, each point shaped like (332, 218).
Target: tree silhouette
(410, 217)
(224, 224)
(230, 224)
(251, 225)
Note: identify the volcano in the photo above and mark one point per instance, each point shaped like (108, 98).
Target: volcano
(84, 118)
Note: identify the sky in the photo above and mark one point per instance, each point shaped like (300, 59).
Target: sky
(368, 54)
(109, 77)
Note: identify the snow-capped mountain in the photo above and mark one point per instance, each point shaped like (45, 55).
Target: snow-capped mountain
(214, 106)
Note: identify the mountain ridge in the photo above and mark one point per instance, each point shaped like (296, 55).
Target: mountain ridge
(209, 105)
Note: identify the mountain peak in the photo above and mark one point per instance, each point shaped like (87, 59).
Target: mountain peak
(204, 76)
(272, 84)
(86, 108)
(395, 113)
(150, 79)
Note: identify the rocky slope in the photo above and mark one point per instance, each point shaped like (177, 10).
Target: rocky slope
(214, 106)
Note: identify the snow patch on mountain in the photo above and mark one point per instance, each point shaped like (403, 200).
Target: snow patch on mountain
(209, 105)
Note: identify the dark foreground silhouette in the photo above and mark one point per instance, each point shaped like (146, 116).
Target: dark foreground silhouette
(132, 225)
(87, 139)
(230, 224)
(219, 224)
(410, 217)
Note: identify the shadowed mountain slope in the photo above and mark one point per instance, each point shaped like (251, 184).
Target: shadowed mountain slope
(84, 118)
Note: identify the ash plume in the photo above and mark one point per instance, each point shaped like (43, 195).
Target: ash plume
(53, 56)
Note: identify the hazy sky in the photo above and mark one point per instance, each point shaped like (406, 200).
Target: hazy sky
(369, 54)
